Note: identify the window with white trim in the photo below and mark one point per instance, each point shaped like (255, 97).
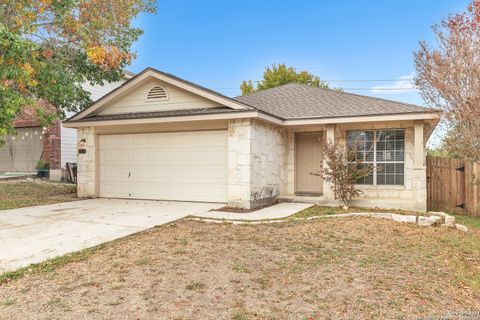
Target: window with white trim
(382, 149)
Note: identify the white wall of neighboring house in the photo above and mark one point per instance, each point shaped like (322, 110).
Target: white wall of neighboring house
(69, 135)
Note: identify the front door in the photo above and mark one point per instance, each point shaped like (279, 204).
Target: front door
(308, 160)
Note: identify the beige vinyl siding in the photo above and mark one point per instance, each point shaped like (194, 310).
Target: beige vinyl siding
(68, 144)
(134, 100)
(96, 91)
(68, 135)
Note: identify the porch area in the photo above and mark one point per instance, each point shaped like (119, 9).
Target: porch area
(395, 149)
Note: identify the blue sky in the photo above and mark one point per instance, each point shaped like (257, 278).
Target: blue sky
(218, 44)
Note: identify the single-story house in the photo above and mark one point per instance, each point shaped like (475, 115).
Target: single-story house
(161, 137)
(55, 144)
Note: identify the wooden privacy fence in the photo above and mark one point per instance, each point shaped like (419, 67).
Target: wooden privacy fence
(453, 185)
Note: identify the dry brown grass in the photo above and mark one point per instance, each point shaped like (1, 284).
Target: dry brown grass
(21, 193)
(331, 269)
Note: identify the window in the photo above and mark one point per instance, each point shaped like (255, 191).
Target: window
(385, 150)
(157, 93)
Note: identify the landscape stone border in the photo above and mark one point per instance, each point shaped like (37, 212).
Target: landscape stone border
(435, 219)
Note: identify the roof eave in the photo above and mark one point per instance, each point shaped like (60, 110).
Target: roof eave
(260, 115)
(175, 118)
(404, 116)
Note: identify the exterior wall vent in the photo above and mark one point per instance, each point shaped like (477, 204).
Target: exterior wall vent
(157, 93)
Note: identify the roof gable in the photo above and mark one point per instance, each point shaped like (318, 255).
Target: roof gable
(153, 95)
(131, 96)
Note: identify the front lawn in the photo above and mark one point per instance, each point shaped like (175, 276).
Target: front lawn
(346, 268)
(22, 193)
(323, 210)
(467, 220)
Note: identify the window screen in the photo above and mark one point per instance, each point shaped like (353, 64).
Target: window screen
(385, 150)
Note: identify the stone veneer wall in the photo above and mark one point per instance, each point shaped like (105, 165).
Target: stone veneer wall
(261, 157)
(385, 191)
(415, 186)
(256, 162)
(412, 192)
(269, 152)
(86, 169)
(239, 163)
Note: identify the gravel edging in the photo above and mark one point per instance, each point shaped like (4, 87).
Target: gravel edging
(436, 219)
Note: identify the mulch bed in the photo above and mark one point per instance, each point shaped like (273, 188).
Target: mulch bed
(242, 210)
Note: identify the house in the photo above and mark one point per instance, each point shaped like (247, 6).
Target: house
(56, 144)
(160, 137)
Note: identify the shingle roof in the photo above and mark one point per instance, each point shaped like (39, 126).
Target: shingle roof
(296, 100)
(157, 114)
(289, 101)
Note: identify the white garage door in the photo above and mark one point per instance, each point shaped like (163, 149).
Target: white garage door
(185, 166)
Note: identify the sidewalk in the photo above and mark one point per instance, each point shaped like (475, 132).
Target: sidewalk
(278, 211)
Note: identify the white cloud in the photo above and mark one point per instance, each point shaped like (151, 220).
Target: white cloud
(402, 84)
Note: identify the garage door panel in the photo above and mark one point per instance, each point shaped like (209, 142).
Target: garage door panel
(218, 156)
(153, 156)
(110, 189)
(200, 192)
(108, 157)
(139, 157)
(137, 140)
(124, 141)
(124, 156)
(137, 174)
(205, 173)
(156, 173)
(108, 174)
(188, 166)
(108, 140)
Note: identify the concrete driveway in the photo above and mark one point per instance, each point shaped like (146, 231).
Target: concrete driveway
(34, 234)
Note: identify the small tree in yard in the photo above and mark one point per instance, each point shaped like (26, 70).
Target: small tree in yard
(449, 79)
(343, 170)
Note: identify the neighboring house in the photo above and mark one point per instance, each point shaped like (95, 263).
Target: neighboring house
(160, 137)
(56, 145)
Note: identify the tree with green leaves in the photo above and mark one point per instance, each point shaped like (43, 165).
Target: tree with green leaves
(49, 48)
(280, 74)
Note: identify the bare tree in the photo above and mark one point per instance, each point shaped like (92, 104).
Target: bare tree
(449, 79)
(343, 170)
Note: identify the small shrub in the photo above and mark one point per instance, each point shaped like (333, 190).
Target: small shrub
(143, 261)
(343, 170)
(240, 315)
(194, 286)
(9, 302)
(240, 268)
(43, 165)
